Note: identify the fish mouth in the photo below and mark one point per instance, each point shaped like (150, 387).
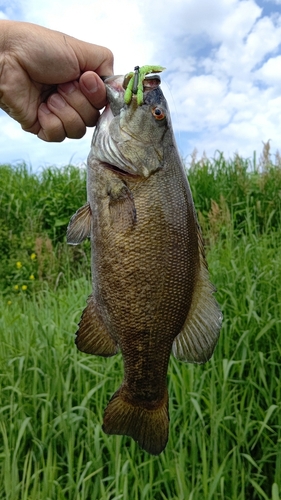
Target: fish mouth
(119, 83)
(115, 82)
(151, 82)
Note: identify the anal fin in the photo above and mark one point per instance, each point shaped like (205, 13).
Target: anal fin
(93, 336)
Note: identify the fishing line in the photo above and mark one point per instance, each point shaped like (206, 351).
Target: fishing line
(174, 114)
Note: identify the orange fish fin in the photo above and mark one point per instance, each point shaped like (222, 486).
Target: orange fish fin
(198, 338)
(121, 206)
(79, 227)
(93, 336)
(148, 427)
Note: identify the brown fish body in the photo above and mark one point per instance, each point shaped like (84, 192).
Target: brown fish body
(150, 280)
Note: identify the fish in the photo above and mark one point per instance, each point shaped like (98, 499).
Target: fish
(151, 291)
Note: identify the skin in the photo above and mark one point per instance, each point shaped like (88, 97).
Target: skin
(49, 81)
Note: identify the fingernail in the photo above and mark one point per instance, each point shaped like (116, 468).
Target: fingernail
(57, 101)
(43, 107)
(68, 87)
(91, 83)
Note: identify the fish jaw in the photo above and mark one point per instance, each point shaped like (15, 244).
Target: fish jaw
(115, 93)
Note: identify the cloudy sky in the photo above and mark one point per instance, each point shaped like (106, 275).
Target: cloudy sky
(223, 77)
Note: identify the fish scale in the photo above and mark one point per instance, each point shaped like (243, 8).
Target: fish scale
(151, 290)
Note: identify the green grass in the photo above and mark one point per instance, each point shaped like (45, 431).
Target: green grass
(225, 428)
(34, 212)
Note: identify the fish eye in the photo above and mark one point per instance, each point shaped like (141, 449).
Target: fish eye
(158, 113)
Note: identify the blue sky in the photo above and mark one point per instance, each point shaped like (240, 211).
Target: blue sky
(223, 76)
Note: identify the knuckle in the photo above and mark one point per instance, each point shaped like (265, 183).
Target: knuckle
(76, 132)
(52, 134)
(110, 56)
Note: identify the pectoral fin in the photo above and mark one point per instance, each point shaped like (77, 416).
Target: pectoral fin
(121, 205)
(93, 336)
(79, 227)
(198, 338)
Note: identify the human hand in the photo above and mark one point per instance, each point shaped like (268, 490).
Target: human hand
(49, 81)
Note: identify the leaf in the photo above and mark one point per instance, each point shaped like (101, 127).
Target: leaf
(264, 423)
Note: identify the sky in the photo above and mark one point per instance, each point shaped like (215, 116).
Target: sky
(223, 76)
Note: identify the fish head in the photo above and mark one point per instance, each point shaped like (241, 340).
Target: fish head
(131, 136)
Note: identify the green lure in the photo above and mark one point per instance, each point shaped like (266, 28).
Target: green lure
(135, 80)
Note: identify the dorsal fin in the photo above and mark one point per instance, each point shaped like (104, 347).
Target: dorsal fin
(198, 338)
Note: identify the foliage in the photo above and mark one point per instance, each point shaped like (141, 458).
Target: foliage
(247, 192)
(225, 428)
(34, 212)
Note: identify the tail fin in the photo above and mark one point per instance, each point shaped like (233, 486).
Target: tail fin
(149, 427)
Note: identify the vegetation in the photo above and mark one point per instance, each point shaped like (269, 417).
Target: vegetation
(225, 428)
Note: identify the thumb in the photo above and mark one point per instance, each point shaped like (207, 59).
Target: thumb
(93, 88)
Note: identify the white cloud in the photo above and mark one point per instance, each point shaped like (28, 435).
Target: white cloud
(237, 60)
(200, 98)
(270, 73)
(232, 103)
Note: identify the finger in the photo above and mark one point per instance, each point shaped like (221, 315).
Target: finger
(51, 127)
(106, 67)
(93, 88)
(93, 57)
(72, 122)
(77, 100)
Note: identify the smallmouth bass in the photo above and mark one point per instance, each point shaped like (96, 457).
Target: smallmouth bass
(151, 290)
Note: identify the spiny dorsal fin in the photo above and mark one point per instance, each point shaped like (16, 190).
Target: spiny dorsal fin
(198, 338)
(79, 227)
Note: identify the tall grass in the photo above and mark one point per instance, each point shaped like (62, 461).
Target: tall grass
(225, 428)
(34, 212)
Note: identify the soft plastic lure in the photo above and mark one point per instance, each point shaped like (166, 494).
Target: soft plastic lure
(134, 81)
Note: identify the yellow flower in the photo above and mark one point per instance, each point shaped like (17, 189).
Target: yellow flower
(16, 287)
(33, 256)
(31, 277)
(9, 302)
(24, 287)
(19, 264)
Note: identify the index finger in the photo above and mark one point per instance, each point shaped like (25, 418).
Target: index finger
(93, 57)
(93, 88)
(106, 66)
